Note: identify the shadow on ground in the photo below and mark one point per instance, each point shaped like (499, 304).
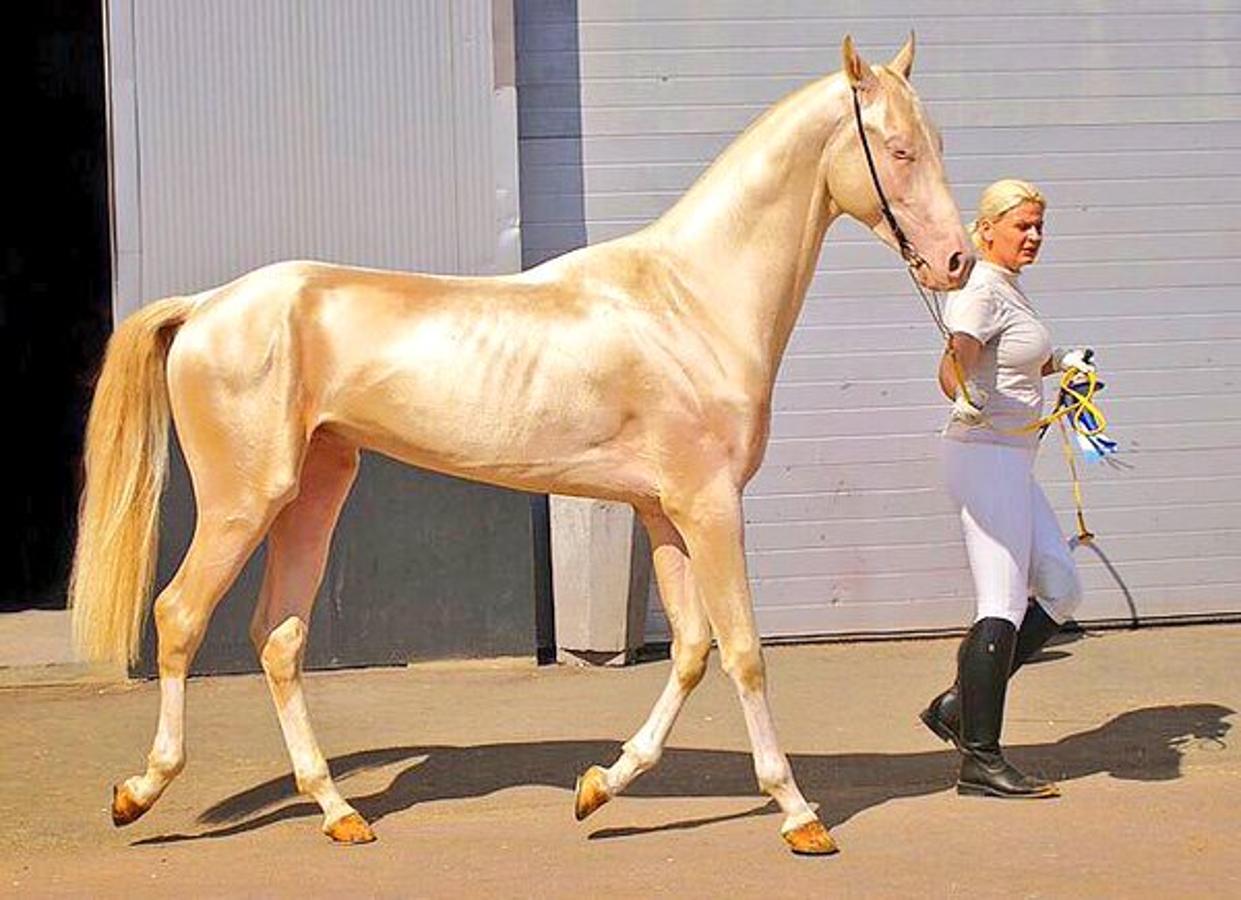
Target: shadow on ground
(1143, 745)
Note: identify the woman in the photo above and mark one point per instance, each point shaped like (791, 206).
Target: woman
(1013, 541)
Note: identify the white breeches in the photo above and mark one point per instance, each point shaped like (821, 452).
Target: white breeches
(1015, 546)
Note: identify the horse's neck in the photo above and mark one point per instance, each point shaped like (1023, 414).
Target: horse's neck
(749, 232)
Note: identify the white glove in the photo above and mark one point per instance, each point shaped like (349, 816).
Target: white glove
(1079, 358)
(970, 413)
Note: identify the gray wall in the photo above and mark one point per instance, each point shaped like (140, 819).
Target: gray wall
(378, 133)
(1127, 114)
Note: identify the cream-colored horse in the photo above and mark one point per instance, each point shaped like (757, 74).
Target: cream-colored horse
(638, 370)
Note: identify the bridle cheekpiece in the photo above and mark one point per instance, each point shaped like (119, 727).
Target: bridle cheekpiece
(911, 256)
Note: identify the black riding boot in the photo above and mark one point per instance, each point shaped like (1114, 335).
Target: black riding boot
(983, 666)
(943, 714)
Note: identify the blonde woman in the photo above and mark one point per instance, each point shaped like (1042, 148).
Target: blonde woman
(1015, 547)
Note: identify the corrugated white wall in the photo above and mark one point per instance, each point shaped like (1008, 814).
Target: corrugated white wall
(359, 132)
(1126, 112)
(368, 132)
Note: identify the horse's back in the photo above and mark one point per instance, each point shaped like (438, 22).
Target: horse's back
(540, 380)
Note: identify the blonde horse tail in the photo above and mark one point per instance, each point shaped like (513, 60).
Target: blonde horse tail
(126, 463)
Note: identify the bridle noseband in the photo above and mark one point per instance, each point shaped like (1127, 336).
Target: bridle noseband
(911, 256)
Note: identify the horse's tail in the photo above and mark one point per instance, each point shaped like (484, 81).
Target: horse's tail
(126, 463)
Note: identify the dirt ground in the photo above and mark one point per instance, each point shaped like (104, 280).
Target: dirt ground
(467, 773)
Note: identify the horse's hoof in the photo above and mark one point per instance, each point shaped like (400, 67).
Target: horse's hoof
(811, 839)
(592, 792)
(350, 829)
(125, 809)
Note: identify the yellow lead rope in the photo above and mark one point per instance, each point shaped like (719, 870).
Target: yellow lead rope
(1082, 404)
(1084, 534)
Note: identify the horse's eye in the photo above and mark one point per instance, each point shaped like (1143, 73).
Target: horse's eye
(901, 153)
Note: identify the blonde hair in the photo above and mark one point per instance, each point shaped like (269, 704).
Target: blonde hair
(999, 198)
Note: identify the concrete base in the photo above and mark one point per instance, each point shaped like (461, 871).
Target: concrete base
(35, 637)
(595, 657)
(601, 575)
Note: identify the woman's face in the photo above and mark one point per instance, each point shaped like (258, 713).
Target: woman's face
(1013, 240)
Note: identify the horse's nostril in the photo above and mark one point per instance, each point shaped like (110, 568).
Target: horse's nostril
(955, 262)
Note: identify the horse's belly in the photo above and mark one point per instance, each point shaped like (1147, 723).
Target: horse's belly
(503, 421)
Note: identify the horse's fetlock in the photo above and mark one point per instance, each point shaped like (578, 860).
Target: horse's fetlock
(643, 755)
(167, 764)
(772, 773)
(312, 780)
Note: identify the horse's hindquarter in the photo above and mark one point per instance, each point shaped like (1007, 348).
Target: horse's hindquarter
(538, 384)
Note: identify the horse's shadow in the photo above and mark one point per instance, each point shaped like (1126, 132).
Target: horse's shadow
(1142, 745)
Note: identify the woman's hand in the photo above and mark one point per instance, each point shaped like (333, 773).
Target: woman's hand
(1079, 358)
(968, 399)
(969, 411)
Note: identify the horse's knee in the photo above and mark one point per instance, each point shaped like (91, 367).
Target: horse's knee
(689, 660)
(743, 661)
(281, 653)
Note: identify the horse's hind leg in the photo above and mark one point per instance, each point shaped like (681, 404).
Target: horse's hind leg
(691, 642)
(243, 446)
(297, 550)
(230, 525)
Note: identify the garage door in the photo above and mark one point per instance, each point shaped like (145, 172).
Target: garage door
(1127, 116)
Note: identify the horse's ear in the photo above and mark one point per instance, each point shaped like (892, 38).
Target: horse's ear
(903, 62)
(857, 70)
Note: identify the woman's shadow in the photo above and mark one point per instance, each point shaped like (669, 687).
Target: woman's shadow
(1141, 745)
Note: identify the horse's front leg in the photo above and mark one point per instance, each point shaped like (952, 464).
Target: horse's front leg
(711, 521)
(691, 642)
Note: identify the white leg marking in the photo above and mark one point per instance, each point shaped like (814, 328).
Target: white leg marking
(167, 756)
(282, 661)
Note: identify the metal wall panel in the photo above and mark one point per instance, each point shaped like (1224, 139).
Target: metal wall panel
(1127, 114)
(369, 133)
(353, 132)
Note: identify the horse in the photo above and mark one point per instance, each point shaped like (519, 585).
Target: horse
(638, 370)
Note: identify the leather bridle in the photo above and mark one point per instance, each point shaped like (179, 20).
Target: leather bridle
(911, 256)
(913, 259)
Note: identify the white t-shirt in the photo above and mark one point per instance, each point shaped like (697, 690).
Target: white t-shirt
(992, 309)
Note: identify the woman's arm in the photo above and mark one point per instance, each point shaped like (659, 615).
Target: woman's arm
(968, 351)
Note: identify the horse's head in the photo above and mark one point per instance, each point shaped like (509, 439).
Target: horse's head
(907, 153)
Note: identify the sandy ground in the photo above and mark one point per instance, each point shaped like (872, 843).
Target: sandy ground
(467, 773)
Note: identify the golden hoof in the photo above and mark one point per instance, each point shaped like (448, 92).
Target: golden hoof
(350, 829)
(811, 839)
(125, 809)
(591, 792)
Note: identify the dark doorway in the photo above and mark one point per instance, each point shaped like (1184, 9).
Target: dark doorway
(55, 292)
